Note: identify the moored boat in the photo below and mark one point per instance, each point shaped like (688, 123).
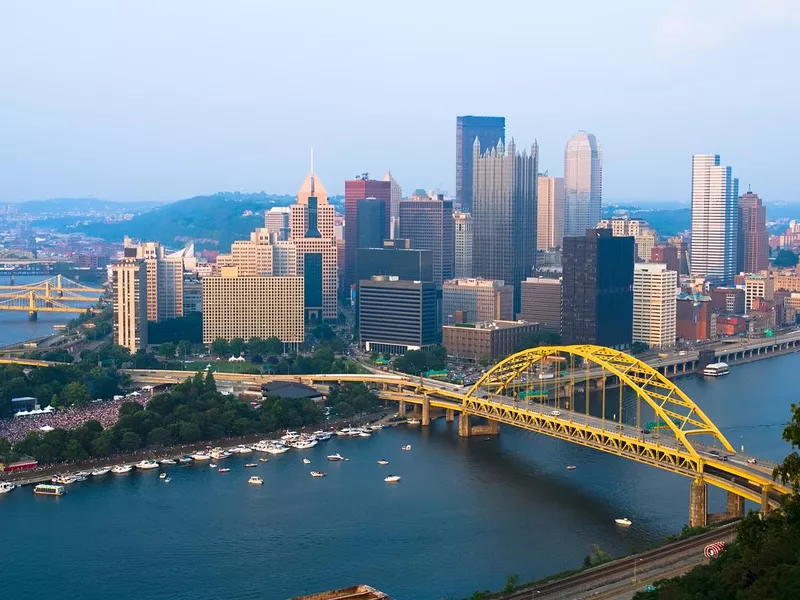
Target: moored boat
(6, 487)
(101, 471)
(255, 480)
(47, 489)
(201, 456)
(392, 479)
(166, 461)
(413, 422)
(717, 369)
(241, 449)
(383, 462)
(303, 443)
(317, 474)
(146, 465)
(250, 465)
(277, 448)
(162, 476)
(185, 460)
(263, 460)
(121, 469)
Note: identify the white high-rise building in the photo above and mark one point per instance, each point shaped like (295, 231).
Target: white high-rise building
(583, 183)
(715, 219)
(395, 195)
(129, 281)
(655, 293)
(550, 213)
(463, 243)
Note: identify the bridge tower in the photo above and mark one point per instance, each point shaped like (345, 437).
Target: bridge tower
(33, 314)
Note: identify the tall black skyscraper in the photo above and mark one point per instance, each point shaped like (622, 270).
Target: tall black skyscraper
(488, 130)
(598, 289)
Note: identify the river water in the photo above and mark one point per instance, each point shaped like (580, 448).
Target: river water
(14, 325)
(467, 512)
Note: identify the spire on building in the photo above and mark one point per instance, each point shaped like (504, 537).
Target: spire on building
(312, 186)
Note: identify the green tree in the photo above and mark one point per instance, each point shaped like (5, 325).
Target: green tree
(639, 348)
(236, 346)
(538, 338)
(785, 258)
(76, 394)
(220, 347)
(189, 432)
(273, 347)
(130, 441)
(159, 436)
(343, 410)
(167, 349)
(103, 444)
(184, 348)
(74, 452)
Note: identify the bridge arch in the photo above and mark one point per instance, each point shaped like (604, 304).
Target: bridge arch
(669, 403)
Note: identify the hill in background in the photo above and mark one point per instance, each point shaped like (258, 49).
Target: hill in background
(82, 206)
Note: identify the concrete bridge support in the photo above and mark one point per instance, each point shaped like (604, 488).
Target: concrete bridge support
(449, 415)
(490, 428)
(426, 410)
(401, 408)
(698, 503)
(464, 425)
(734, 507)
(765, 499)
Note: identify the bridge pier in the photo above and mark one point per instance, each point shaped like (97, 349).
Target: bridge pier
(765, 499)
(426, 410)
(401, 408)
(449, 415)
(698, 504)
(490, 428)
(464, 425)
(734, 507)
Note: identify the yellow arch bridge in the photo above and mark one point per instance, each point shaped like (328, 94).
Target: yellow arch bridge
(57, 294)
(587, 395)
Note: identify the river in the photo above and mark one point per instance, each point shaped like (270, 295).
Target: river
(467, 512)
(14, 325)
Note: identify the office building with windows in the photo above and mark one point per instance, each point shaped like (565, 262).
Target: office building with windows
(549, 212)
(753, 248)
(488, 131)
(655, 290)
(476, 300)
(355, 190)
(129, 285)
(463, 244)
(541, 302)
(583, 183)
(428, 224)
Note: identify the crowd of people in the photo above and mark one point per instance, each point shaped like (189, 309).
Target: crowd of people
(106, 412)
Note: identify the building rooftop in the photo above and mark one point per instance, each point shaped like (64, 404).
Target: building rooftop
(492, 325)
(289, 389)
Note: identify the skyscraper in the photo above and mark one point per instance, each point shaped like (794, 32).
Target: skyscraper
(355, 190)
(654, 304)
(371, 218)
(549, 212)
(598, 289)
(395, 195)
(312, 234)
(753, 250)
(583, 183)
(715, 217)
(428, 223)
(504, 213)
(276, 220)
(644, 238)
(164, 281)
(129, 282)
(488, 130)
(463, 235)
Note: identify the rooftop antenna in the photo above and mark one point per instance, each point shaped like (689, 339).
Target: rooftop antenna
(312, 171)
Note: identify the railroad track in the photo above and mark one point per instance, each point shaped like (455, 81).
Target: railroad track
(622, 565)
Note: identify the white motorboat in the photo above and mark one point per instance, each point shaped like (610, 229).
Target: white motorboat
(146, 465)
(347, 432)
(166, 461)
(101, 471)
(317, 474)
(121, 469)
(571, 467)
(413, 422)
(304, 443)
(323, 436)
(64, 479)
(277, 449)
(262, 446)
(383, 462)
(306, 461)
(335, 457)
(392, 479)
(255, 480)
(83, 474)
(201, 456)
(376, 427)
(168, 479)
(407, 447)
(241, 450)
(263, 460)
(219, 454)
(6, 487)
(290, 436)
(162, 476)
(250, 465)
(212, 465)
(185, 460)
(623, 521)
(223, 470)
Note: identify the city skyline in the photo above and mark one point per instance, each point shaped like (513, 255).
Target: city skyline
(185, 118)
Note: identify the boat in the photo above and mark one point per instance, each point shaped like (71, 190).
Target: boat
(323, 436)
(201, 456)
(407, 447)
(146, 465)
(121, 469)
(335, 457)
(168, 479)
(250, 465)
(276, 448)
(345, 432)
(623, 521)
(241, 449)
(101, 471)
(303, 443)
(223, 470)
(162, 476)
(255, 480)
(262, 446)
(65, 479)
(317, 474)
(413, 422)
(571, 467)
(6, 487)
(717, 369)
(167, 461)
(376, 427)
(263, 460)
(219, 454)
(185, 460)
(47, 489)
(364, 433)
(290, 436)
(306, 461)
(83, 474)
(383, 462)
(212, 465)
(392, 479)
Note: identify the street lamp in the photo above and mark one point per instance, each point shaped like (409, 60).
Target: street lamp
(635, 564)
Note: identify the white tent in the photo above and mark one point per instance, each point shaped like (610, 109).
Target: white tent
(48, 409)
(46, 428)
(22, 413)
(236, 359)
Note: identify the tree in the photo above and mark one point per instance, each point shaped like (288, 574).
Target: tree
(159, 436)
(785, 258)
(167, 349)
(639, 348)
(273, 346)
(236, 346)
(538, 338)
(74, 452)
(343, 410)
(184, 348)
(76, 394)
(220, 347)
(130, 441)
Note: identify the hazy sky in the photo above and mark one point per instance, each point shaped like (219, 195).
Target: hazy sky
(159, 100)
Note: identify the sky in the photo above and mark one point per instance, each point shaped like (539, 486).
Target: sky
(152, 100)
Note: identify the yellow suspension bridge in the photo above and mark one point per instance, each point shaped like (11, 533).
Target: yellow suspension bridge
(57, 294)
(588, 395)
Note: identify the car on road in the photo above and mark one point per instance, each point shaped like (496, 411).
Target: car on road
(752, 461)
(555, 413)
(714, 453)
(619, 426)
